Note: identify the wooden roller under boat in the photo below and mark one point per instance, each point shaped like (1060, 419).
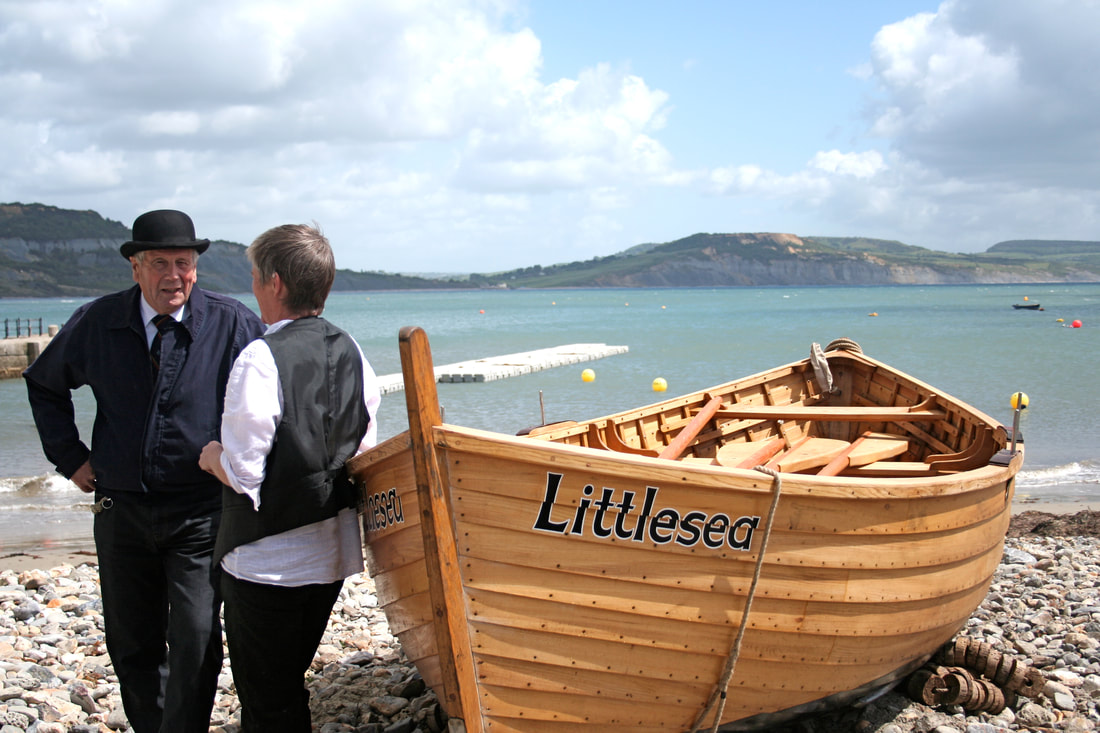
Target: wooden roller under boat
(773, 546)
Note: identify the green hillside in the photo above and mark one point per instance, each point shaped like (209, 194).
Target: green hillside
(716, 260)
(41, 223)
(48, 252)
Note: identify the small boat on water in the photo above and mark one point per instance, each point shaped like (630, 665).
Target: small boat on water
(1026, 306)
(777, 545)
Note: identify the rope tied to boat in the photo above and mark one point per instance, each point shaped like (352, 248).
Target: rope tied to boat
(719, 694)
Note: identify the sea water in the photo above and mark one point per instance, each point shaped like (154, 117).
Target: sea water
(966, 340)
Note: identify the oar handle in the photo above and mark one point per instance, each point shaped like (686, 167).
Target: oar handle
(691, 431)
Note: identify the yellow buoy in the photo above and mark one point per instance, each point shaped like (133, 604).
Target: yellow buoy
(659, 384)
(1019, 400)
(588, 376)
(872, 314)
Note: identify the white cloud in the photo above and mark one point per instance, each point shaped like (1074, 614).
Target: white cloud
(169, 123)
(86, 169)
(413, 126)
(993, 89)
(988, 110)
(857, 165)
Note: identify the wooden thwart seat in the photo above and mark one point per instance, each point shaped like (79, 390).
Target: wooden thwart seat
(835, 414)
(802, 454)
(867, 448)
(833, 454)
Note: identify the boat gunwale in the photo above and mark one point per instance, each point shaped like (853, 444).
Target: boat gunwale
(561, 455)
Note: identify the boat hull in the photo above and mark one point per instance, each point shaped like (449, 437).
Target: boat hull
(606, 590)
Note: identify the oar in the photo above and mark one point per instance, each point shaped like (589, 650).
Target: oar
(838, 464)
(691, 431)
(867, 448)
(749, 455)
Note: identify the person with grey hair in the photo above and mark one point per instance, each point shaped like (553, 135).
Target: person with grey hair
(300, 402)
(157, 357)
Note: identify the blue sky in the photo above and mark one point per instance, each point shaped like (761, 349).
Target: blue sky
(482, 135)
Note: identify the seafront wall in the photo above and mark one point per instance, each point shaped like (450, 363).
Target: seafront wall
(16, 354)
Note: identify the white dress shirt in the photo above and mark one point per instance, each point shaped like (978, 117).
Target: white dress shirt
(148, 314)
(322, 552)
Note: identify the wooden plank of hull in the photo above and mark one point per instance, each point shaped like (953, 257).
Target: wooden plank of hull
(625, 621)
(546, 675)
(395, 550)
(838, 578)
(514, 709)
(760, 687)
(835, 585)
(841, 634)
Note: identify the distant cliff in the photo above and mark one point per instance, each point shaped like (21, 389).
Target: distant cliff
(721, 260)
(47, 251)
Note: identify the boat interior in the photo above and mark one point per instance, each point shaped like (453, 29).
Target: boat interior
(846, 415)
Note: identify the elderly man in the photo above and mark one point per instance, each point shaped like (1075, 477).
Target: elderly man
(157, 357)
(300, 402)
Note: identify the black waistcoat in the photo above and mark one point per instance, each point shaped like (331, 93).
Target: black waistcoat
(324, 419)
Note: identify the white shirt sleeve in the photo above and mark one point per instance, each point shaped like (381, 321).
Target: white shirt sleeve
(253, 409)
(372, 397)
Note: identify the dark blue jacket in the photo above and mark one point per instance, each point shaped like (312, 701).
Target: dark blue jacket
(148, 432)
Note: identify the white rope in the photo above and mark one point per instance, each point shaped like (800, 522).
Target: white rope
(719, 693)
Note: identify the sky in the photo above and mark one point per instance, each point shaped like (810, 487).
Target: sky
(485, 135)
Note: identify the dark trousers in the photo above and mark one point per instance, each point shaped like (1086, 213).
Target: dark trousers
(160, 608)
(273, 633)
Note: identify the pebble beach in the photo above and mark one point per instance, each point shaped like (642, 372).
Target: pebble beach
(1043, 609)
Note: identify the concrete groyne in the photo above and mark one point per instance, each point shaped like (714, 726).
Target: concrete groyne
(16, 354)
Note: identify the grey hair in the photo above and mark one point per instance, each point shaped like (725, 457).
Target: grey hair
(303, 258)
(140, 254)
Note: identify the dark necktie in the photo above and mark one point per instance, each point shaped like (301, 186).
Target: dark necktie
(163, 322)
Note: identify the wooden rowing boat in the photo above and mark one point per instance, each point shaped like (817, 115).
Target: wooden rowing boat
(638, 572)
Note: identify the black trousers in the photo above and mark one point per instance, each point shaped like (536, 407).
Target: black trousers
(273, 633)
(160, 608)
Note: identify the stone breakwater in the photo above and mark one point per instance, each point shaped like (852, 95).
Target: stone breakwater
(1043, 608)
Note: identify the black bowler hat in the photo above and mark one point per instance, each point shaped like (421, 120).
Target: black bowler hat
(163, 229)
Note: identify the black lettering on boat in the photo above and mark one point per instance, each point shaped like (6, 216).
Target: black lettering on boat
(383, 509)
(740, 541)
(615, 515)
